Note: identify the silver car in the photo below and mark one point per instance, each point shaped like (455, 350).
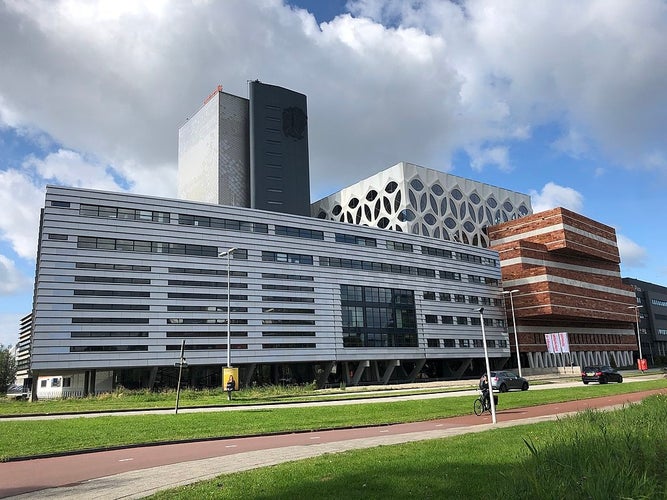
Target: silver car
(506, 381)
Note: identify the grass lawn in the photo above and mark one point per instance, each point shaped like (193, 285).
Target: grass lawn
(122, 400)
(21, 438)
(594, 455)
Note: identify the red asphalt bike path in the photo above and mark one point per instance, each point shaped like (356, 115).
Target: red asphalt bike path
(41, 473)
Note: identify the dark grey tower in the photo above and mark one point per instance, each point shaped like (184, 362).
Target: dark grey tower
(249, 153)
(279, 167)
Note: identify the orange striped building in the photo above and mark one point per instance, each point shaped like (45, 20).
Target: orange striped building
(565, 268)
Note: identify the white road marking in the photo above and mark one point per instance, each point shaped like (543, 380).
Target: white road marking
(126, 459)
(230, 446)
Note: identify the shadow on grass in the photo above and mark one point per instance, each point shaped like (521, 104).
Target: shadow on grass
(595, 455)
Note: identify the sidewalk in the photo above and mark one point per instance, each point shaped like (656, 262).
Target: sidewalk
(137, 472)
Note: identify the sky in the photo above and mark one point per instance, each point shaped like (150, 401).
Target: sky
(563, 100)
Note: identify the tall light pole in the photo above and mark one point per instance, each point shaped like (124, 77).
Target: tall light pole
(516, 336)
(639, 339)
(228, 253)
(488, 366)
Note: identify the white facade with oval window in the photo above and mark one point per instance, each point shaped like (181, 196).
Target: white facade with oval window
(421, 201)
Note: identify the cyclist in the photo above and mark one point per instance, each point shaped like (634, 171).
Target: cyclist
(484, 387)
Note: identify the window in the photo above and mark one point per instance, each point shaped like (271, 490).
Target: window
(431, 318)
(67, 381)
(448, 320)
(398, 246)
(461, 320)
(355, 240)
(299, 232)
(446, 297)
(433, 342)
(464, 343)
(429, 295)
(291, 258)
(145, 246)
(351, 293)
(378, 317)
(42, 383)
(58, 237)
(477, 343)
(108, 348)
(449, 275)
(436, 252)
(353, 316)
(449, 343)
(459, 298)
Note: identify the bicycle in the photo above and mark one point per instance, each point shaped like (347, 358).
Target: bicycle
(481, 404)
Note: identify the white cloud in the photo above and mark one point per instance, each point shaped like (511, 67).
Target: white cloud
(116, 79)
(21, 201)
(553, 195)
(572, 143)
(22, 193)
(9, 328)
(72, 169)
(632, 255)
(11, 279)
(498, 156)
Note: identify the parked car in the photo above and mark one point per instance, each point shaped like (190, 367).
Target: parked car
(505, 381)
(601, 374)
(17, 392)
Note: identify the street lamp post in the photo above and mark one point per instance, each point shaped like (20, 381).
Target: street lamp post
(488, 366)
(516, 336)
(228, 253)
(639, 339)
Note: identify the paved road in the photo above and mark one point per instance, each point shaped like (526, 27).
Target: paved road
(137, 472)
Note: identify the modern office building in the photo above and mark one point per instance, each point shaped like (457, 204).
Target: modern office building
(249, 153)
(123, 279)
(564, 271)
(384, 281)
(417, 200)
(23, 351)
(555, 260)
(651, 314)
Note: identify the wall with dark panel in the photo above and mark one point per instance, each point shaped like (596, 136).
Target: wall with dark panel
(279, 165)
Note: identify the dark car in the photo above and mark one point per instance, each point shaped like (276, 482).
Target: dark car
(601, 374)
(505, 381)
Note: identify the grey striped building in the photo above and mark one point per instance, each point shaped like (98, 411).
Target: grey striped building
(123, 279)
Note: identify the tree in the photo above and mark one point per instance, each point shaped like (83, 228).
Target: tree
(7, 368)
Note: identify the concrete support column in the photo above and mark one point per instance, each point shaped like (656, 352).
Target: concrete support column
(86, 383)
(151, 378)
(324, 376)
(91, 389)
(375, 365)
(462, 368)
(418, 368)
(361, 367)
(35, 384)
(391, 365)
(249, 372)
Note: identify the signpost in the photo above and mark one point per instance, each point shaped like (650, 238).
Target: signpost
(180, 363)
